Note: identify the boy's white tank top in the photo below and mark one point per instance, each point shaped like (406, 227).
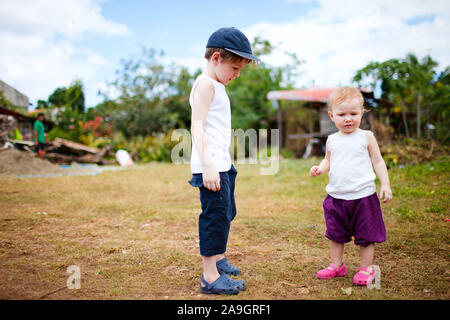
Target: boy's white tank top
(217, 128)
(351, 173)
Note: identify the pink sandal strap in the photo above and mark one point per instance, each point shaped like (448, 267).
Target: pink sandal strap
(332, 266)
(366, 270)
(362, 278)
(332, 271)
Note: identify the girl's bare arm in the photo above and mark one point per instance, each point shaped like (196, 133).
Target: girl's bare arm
(380, 168)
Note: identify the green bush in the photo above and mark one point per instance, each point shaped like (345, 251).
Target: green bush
(158, 148)
(287, 154)
(57, 132)
(409, 151)
(147, 148)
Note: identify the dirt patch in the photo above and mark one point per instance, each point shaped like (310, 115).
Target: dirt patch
(18, 163)
(24, 164)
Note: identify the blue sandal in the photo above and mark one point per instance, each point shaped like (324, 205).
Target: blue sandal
(223, 266)
(223, 285)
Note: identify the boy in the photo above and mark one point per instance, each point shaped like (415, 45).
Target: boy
(227, 51)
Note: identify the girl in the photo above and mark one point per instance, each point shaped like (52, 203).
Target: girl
(352, 207)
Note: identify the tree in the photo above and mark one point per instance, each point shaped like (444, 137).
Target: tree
(420, 83)
(145, 85)
(71, 113)
(154, 97)
(74, 97)
(58, 97)
(71, 97)
(438, 109)
(42, 104)
(389, 76)
(177, 102)
(407, 83)
(248, 93)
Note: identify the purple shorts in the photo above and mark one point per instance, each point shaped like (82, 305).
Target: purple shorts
(360, 218)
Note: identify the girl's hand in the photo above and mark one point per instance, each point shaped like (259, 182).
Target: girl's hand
(386, 193)
(314, 172)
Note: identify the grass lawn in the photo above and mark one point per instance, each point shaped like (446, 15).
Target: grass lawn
(134, 235)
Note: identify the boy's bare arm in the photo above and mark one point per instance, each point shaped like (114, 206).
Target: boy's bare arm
(323, 167)
(203, 96)
(380, 168)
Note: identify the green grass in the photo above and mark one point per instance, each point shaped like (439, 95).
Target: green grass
(134, 234)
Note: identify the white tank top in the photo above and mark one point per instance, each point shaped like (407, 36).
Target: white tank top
(351, 173)
(217, 128)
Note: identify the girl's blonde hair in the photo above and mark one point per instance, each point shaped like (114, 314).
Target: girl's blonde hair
(345, 93)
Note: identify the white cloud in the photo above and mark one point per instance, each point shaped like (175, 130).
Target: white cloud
(342, 36)
(192, 64)
(70, 18)
(41, 43)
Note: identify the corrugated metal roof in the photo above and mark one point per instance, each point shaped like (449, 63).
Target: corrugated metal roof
(15, 114)
(309, 95)
(18, 115)
(312, 95)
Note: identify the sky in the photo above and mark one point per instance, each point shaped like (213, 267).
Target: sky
(46, 44)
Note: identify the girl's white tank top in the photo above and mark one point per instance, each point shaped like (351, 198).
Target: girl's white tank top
(351, 173)
(217, 128)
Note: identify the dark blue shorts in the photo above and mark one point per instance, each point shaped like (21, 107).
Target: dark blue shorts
(360, 218)
(218, 210)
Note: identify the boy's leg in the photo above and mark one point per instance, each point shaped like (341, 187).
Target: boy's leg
(223, 264)
(232, 208)
(214, 226)
(336, 252)
(219, 257)
(210, 272)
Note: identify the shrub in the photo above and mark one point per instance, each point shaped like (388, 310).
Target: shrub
(413, 152)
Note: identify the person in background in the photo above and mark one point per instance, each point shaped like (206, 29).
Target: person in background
(39, 135)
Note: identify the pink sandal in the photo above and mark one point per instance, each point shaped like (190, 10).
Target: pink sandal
(364, 276)
(332, 271)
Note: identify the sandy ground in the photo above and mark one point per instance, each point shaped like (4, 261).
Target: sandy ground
(22, 164)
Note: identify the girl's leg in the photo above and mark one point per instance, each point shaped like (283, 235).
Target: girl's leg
(336, 252)
(367, 255)
(210, 273)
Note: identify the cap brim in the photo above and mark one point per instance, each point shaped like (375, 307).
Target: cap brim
(244, 54)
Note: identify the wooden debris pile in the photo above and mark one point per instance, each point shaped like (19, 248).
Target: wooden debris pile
(65, 151)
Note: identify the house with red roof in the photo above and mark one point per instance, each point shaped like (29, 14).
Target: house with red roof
(306, 135)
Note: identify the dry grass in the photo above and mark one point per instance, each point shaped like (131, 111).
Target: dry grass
(134, 235)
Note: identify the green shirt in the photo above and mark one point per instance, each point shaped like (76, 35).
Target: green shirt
(39, 127)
